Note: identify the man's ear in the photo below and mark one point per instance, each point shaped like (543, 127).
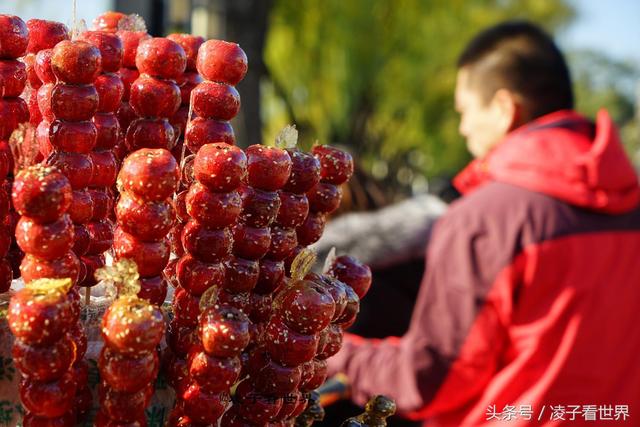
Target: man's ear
(509, 109)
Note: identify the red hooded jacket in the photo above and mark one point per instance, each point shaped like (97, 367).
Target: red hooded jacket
(526, 311)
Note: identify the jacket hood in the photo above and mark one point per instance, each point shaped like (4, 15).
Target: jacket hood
(565, 156)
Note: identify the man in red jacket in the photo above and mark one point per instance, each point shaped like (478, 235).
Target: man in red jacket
(526, 314)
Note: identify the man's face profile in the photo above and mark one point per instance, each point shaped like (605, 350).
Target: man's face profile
(482, 123)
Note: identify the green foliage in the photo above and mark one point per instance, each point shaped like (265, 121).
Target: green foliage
(378, 76)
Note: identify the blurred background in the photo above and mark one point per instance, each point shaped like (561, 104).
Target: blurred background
(377, 76)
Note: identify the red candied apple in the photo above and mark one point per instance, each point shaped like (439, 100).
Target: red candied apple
(271, 276)
(196, 276)
(41, 193)
(13, 75)
(47, 241)
(76, 62)
(255, 407)
(336, 288)
(318, 378)
(181, 338)
(324, 197)
(128, 76)
(73, 136)
(215, 210)
(259, 207)
(161, 57)
(220, 167)
(153, 289)
(222, 61)
(277, 380)
(81, 211)
(201, 131)
(108, 21)
(43, 363)
(116, 370)
(153, 97)
(33, 268)
(51, 399)
(110, 90)
(294, 209)
(186, 308)
(351, 309)
(102, 202)
(288, 347)
(311, 229)
(190, 44)
(336, 166)
(77, 167)
(224, 331)
(241, 274)
(283, 242)
(105, 168)
(13, 111)
(14, 35)
(208, 245)
(150, 133)
(305, 306)
(251, 242)
(65, 420)
(132, 326)
(108, 129)
(148, 221)
(81, 240)
(150, 257)
(215, 100)
(332, 341)
(213, 374)
(202, 406)
(268, 168)
(152, 174)
(101, 234)
(305, 172)
(45, 34)
(121, 406)
(74, 103)
(130, 42)
(42, 66)
(110, 47)
(353, 273)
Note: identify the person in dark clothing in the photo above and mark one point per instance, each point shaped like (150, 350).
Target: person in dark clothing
(525, 314)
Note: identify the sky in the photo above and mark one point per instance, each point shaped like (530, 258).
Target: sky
(612, 26)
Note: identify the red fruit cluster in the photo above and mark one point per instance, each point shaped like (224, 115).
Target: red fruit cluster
(105, 165)
(14, 38)
(186, 82)
(213, 366)
(130, 39)
(145, 215)
(71, 135)
(154, 95)
(336, 167)
(132, 328)
(6, 271)
(215, 101)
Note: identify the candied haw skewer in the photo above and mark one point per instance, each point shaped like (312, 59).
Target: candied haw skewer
(214, 365)
(187, 82)
(131, 328)
(43, 35)
(215, 101)
(105, 165)
(145, 215)
(212, 205)
(131, 30)
(155, 96)
(41, 317)
(73, 101)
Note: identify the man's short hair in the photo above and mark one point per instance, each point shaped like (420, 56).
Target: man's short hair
(521, 57)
